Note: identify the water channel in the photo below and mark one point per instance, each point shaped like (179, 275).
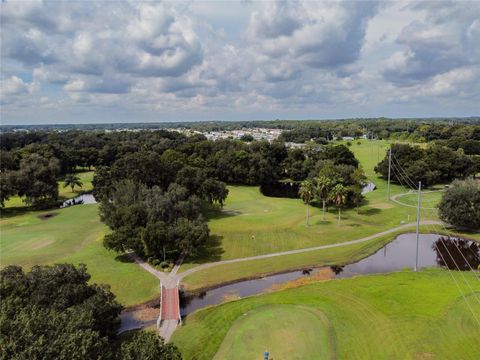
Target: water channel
(434, 251)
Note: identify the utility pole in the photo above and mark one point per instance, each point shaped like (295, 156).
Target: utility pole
(418, 221)
(389, 171)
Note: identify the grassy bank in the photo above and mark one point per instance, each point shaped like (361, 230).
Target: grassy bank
(402, 315)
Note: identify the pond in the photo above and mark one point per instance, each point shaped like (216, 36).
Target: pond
(79, 200)
(433, 251)
(397, 255)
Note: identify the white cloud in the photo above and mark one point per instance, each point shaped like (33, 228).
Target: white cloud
(238, 60)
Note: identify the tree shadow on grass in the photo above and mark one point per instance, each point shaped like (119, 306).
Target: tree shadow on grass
(323, 222)
(124, 258)
(216, 212)
(210, 252)
(368, 212)
(10, 212)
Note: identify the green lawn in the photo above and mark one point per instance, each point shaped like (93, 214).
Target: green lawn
(402, 315)
(86, 178)
(428, 199)
(292, 331)
(73, 235)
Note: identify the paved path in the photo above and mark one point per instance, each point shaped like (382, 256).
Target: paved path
(170, 301)
(299, 251)
(394, 198)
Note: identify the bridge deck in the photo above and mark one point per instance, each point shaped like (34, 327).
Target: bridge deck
(170, 304)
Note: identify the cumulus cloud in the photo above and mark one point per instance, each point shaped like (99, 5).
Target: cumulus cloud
(447, 38)
(319, 34)
(145, 39)
(272, 59)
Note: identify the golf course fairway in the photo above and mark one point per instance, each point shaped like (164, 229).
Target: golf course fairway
(292, 332)
(402, 315)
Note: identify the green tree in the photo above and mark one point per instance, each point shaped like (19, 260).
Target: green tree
(339, 197)
(146, 345)
(306, 192)
(214, 191)
(52, 312)
(72, 180)
(323, 186)
(460, 204)
(6, 187)
(37, 179)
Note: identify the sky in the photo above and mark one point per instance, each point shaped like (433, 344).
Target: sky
(113, 61)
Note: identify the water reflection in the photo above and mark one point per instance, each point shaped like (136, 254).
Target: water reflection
(457, 254)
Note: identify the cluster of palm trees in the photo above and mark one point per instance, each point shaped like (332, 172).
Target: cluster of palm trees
(323, 189)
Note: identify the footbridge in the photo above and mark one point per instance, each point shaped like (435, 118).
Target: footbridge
(169, 317)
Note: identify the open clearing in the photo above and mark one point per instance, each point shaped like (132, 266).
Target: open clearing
(403, 315)
(74, 235)
(292, 332)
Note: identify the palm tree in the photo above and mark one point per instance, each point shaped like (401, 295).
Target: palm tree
(72, 180)
(323, 188)
(339, 196)
(306, 192)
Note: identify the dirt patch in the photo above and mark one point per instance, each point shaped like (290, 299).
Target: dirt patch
(321, 274)
(47, 216)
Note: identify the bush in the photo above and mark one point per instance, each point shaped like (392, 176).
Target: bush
(156, 262)
(164, 264)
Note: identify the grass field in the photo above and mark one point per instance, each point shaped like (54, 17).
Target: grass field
(292, 331)
(428, 199)
(251, 224)
(403, 315)
(73, 235)
(64, 193)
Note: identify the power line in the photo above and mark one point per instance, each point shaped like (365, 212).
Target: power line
(444, 228)
(456, 265)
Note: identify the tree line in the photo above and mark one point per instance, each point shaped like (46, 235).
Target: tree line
(432, 165)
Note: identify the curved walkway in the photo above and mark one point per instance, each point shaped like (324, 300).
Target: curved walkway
(171, 280)
(394, 198)
(298, 251)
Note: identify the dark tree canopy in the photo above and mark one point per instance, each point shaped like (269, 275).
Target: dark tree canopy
(148, 346)
(150, 220)
(52, 312)
(432, 165)
(460, 204)
(36, 179)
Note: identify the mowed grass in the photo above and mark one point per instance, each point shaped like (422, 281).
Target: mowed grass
(73, 235)
(291, 331)
(251, 224)
(404, 315)
(428, 199)
(64, 193)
